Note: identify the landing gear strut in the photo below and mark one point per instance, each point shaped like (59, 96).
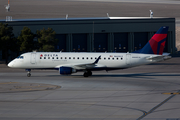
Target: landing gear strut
(87, 73)
(29, 72)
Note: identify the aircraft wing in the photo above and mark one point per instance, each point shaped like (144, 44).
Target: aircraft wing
(82, 66)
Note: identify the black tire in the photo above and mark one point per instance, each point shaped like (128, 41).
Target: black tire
(29, 75)
(89, 73)
(85, 74)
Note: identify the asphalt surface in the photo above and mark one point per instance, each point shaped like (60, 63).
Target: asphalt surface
(28, 9)
(141, 93)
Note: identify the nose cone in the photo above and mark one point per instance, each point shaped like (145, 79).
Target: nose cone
(11, 64)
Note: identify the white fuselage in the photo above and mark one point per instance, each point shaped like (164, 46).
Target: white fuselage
(45, 60)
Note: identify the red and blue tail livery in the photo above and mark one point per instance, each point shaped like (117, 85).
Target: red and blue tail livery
(156, 43)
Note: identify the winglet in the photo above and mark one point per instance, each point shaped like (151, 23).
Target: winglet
(97, 60)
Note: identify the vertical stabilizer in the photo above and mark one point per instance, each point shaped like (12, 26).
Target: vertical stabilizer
(156, 44)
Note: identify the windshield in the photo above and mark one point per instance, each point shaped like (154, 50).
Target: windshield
(20, 57)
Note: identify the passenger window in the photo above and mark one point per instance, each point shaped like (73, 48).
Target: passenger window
(95, 58)
(40, 57)
(104, 58)
(69, 57)
(117, 58)
(87, 58)
(73, 57)
(108, 58)
(44, 57)
(48, 57)
(52, 57)
(91, 58)
(121, 58)
(61, 58)
(77, 57)
(56, 57)
(65, 57)
(82, 57)
(113, 58)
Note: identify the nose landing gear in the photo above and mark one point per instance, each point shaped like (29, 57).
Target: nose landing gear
(29, 72)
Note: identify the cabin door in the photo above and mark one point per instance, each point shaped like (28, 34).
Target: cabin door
(33, 58)
(128, 59)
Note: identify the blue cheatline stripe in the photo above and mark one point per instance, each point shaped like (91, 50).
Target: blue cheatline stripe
(163, 30)
(159, 45)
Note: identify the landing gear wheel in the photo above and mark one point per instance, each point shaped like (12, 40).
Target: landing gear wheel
(28, 74)
(89, 73)
(85, 74)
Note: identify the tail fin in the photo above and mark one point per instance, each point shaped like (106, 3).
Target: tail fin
(156, 43)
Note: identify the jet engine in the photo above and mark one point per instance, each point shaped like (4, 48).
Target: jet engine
(66, 70)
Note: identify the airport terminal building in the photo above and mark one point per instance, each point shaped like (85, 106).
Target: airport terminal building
(108, 34)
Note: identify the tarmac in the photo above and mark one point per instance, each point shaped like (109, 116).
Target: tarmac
(29, 9)
(142, 93)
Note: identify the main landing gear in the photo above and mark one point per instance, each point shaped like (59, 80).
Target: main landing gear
(87, 73)
(29, 72)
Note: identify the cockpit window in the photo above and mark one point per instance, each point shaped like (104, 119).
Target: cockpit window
(20, 57)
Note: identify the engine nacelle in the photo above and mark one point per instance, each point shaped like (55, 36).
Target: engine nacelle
(66, 70)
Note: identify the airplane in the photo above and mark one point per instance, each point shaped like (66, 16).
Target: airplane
(68, 63)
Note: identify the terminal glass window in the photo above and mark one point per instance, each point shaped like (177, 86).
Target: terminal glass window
(61, 46)
(140, 40)
(79, 42)
(100, 42)
(120, 42)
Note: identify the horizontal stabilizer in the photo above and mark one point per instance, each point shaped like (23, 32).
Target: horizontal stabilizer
(158, 58)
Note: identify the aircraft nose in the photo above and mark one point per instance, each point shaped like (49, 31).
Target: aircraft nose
(11, 64)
